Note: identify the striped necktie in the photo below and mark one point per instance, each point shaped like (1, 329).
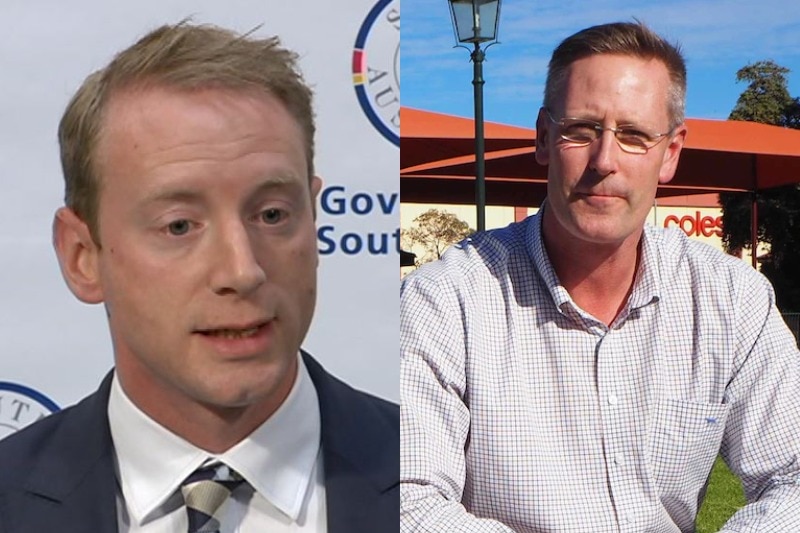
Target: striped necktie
(205, 492)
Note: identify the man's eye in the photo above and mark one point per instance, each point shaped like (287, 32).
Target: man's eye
(633, 136)
(580, 131)
(179, 227)
(272, 216)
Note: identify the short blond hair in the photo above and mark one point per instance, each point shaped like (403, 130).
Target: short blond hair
(184, 56)
(620, 38)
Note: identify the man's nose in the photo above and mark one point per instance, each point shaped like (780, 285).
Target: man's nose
(605, 153)
(236, 266)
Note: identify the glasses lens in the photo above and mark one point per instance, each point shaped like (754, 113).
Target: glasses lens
(579, 131)
(633, 140)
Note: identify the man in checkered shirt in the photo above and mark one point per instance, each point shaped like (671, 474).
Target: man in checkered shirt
(578, 371)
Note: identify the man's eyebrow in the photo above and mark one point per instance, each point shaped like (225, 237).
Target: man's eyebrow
(177, 195)
(278, 181)
(290, 184)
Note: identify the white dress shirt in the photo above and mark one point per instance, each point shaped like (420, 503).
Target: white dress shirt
(281, 461)
(521, 412)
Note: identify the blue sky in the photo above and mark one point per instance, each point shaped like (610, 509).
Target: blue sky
(718, 37)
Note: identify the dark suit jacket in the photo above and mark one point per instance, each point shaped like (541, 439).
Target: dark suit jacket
(58, 474)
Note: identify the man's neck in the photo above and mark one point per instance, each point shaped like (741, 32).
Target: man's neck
(598, 277)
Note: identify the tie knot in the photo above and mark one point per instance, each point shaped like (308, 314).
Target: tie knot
(205, 491)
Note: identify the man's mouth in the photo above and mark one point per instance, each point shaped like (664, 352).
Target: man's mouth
(235, 332)
(232, 333)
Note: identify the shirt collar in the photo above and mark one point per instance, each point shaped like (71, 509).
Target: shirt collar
(542, 263)
(277, 459)
(646, 287)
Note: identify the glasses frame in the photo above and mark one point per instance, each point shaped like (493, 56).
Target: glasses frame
(654, 138)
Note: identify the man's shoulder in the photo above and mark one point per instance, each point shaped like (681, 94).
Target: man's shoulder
(20, 450)
(360, 432)
(338, 395)
(381, 408)
(494, 246)
(31, 445)
(51, 438)
(705, 268)
(483, 253)
(676, 248)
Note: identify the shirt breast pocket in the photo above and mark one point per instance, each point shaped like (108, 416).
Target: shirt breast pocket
(684, 441)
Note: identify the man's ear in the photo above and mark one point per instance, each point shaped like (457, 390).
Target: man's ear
(669, 164)
(542, 140)
(315, 187)
(77, 256)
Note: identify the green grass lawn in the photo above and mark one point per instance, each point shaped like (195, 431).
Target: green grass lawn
(724, 497)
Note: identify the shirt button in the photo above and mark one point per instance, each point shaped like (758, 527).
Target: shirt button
(619, 459)
(613, 400)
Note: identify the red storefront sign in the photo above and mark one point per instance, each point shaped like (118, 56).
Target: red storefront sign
(696, 226)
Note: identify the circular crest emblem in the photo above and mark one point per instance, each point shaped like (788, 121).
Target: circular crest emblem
(20, 406)
(376, 68)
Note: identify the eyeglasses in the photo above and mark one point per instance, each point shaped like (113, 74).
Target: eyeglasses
(583, 132)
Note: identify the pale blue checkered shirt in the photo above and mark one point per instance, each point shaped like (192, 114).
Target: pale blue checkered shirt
(521, 412)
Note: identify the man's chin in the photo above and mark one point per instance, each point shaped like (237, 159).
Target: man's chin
(253, 385)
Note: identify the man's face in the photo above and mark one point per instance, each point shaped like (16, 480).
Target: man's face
(599, 194)
(208, 255)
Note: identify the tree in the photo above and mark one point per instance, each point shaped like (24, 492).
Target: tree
(434, 231)
(792, 117)
(767, 100)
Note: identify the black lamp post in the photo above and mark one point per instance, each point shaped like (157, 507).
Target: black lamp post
(475, 21)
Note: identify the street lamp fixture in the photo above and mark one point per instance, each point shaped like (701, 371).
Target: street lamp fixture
(476, 22)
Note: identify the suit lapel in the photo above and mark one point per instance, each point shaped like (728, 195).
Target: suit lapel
(73, 488)
(361, 452)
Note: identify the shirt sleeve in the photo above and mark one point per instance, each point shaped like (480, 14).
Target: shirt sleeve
(762, 438)
(434, 410)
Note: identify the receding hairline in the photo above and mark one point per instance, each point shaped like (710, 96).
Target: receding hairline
(104, 145)
(561, 81)
(139, 89)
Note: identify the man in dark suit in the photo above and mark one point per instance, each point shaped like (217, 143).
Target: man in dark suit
(189, 213)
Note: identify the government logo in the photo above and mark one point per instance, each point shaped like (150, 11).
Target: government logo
(21, 406)
(376, 68)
